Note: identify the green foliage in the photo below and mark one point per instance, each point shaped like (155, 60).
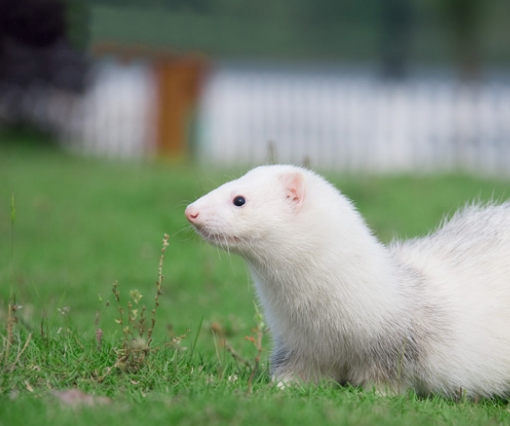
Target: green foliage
(339, 31)
(78, 22)
(82, 224)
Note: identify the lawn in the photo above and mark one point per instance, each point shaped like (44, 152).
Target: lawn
(70, 227)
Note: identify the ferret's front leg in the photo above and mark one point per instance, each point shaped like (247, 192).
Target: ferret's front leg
(287, 368)
(284, 368)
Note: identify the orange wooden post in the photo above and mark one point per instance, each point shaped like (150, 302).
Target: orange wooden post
(179, 81)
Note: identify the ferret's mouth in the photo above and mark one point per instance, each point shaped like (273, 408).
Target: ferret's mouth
(220, 240)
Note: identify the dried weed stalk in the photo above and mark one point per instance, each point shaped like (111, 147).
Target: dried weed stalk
(12, 320)
(256, 338)
(137, 335)
(12, 307)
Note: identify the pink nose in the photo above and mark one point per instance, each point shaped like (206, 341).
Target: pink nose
(191, 213)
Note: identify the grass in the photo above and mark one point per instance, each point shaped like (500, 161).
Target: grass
(78, 225)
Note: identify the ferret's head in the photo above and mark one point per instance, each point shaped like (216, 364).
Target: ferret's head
(258, 211)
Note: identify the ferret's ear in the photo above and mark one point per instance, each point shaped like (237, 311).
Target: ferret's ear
(294, 187)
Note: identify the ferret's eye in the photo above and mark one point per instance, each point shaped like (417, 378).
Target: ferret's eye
(239, 201)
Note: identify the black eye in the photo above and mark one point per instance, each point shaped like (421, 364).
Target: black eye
(239, 201)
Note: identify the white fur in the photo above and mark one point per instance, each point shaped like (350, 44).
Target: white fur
(432, 314)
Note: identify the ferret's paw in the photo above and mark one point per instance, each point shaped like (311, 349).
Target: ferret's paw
(385, 390)
(282, 385)
(286, 381)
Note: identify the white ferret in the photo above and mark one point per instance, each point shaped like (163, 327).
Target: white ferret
(430, 314)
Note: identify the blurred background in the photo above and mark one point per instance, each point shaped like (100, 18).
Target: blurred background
(347, 85)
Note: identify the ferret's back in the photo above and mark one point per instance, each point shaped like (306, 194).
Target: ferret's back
(470, 249)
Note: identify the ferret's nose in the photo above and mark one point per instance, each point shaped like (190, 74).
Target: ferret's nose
(191, 213)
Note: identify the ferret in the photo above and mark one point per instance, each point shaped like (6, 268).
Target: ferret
(430, 314)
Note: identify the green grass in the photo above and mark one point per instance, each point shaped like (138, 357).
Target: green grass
(81, 224)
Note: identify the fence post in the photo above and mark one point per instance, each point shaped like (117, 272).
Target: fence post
(178, 82)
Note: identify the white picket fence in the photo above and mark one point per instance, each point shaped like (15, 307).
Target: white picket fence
(116, 117)
(343, 121)
(349, 122)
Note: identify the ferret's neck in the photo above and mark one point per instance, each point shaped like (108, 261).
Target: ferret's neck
(343, 290)
(346, 272)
